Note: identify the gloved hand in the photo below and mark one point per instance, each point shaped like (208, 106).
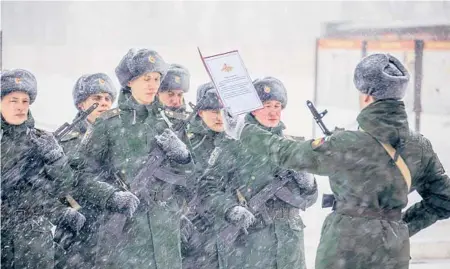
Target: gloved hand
(47, 147)
(304, 180)
(233, 125)
(239, 214)
(72, 219)
(123, 202)
(173, 146)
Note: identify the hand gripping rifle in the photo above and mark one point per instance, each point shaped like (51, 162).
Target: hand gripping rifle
(18, 170)
(151, 171)
(63, 237)
(256, 205)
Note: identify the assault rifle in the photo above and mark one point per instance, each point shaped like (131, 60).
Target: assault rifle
(150, 173)
(328, 200)
(256, 205)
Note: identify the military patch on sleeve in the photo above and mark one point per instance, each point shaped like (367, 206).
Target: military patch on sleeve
(317, 143)
(110, 113)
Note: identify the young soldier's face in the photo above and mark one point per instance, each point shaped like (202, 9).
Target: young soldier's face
(212, 119)
(145, 87)
(171, 98)
(104, 101)
(15, 107)
(270, 114)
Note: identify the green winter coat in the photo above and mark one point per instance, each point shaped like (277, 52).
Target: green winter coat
(277, 245)
(120, 141)
(363, 179)
(201, 251)
(29, 203)
(83, 247)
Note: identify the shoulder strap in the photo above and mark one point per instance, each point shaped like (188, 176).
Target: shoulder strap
(400, 163)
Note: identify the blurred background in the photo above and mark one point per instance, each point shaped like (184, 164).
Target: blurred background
(311, 46)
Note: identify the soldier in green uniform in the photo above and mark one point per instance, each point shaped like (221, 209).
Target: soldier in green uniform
(34, 170)
(79, 251)
(275, 233)
(173, 87)
(120, 143)
(205, 135)
(371, 172)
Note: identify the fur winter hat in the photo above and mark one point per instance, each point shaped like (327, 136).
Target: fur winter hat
(382, 76)
(90, 84)
(177, 78)
(207, 98)
(270, 88)
(138, 62)
(19, 80)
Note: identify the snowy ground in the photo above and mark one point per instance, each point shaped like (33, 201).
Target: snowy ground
(430, 264)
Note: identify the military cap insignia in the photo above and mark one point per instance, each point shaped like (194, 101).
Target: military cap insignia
(267, 89)
(151, 59)
(177, 79)
(101, 81)
(18, 80)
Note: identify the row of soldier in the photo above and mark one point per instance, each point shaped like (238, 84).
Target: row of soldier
(204, 182)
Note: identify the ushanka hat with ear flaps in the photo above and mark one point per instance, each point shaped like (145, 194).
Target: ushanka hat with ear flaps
(139, 62)
(382, 76)
(177, 78)
(207, 98)
(19, 80)
(90, 84)
(270, 88)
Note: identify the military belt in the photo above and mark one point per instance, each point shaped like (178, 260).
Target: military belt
(370, 213)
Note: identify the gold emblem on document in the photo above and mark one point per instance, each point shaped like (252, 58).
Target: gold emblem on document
(226, 68)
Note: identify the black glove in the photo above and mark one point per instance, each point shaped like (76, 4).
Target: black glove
(123, 202)
(47, 147)
(173, 146)
(72, 219)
